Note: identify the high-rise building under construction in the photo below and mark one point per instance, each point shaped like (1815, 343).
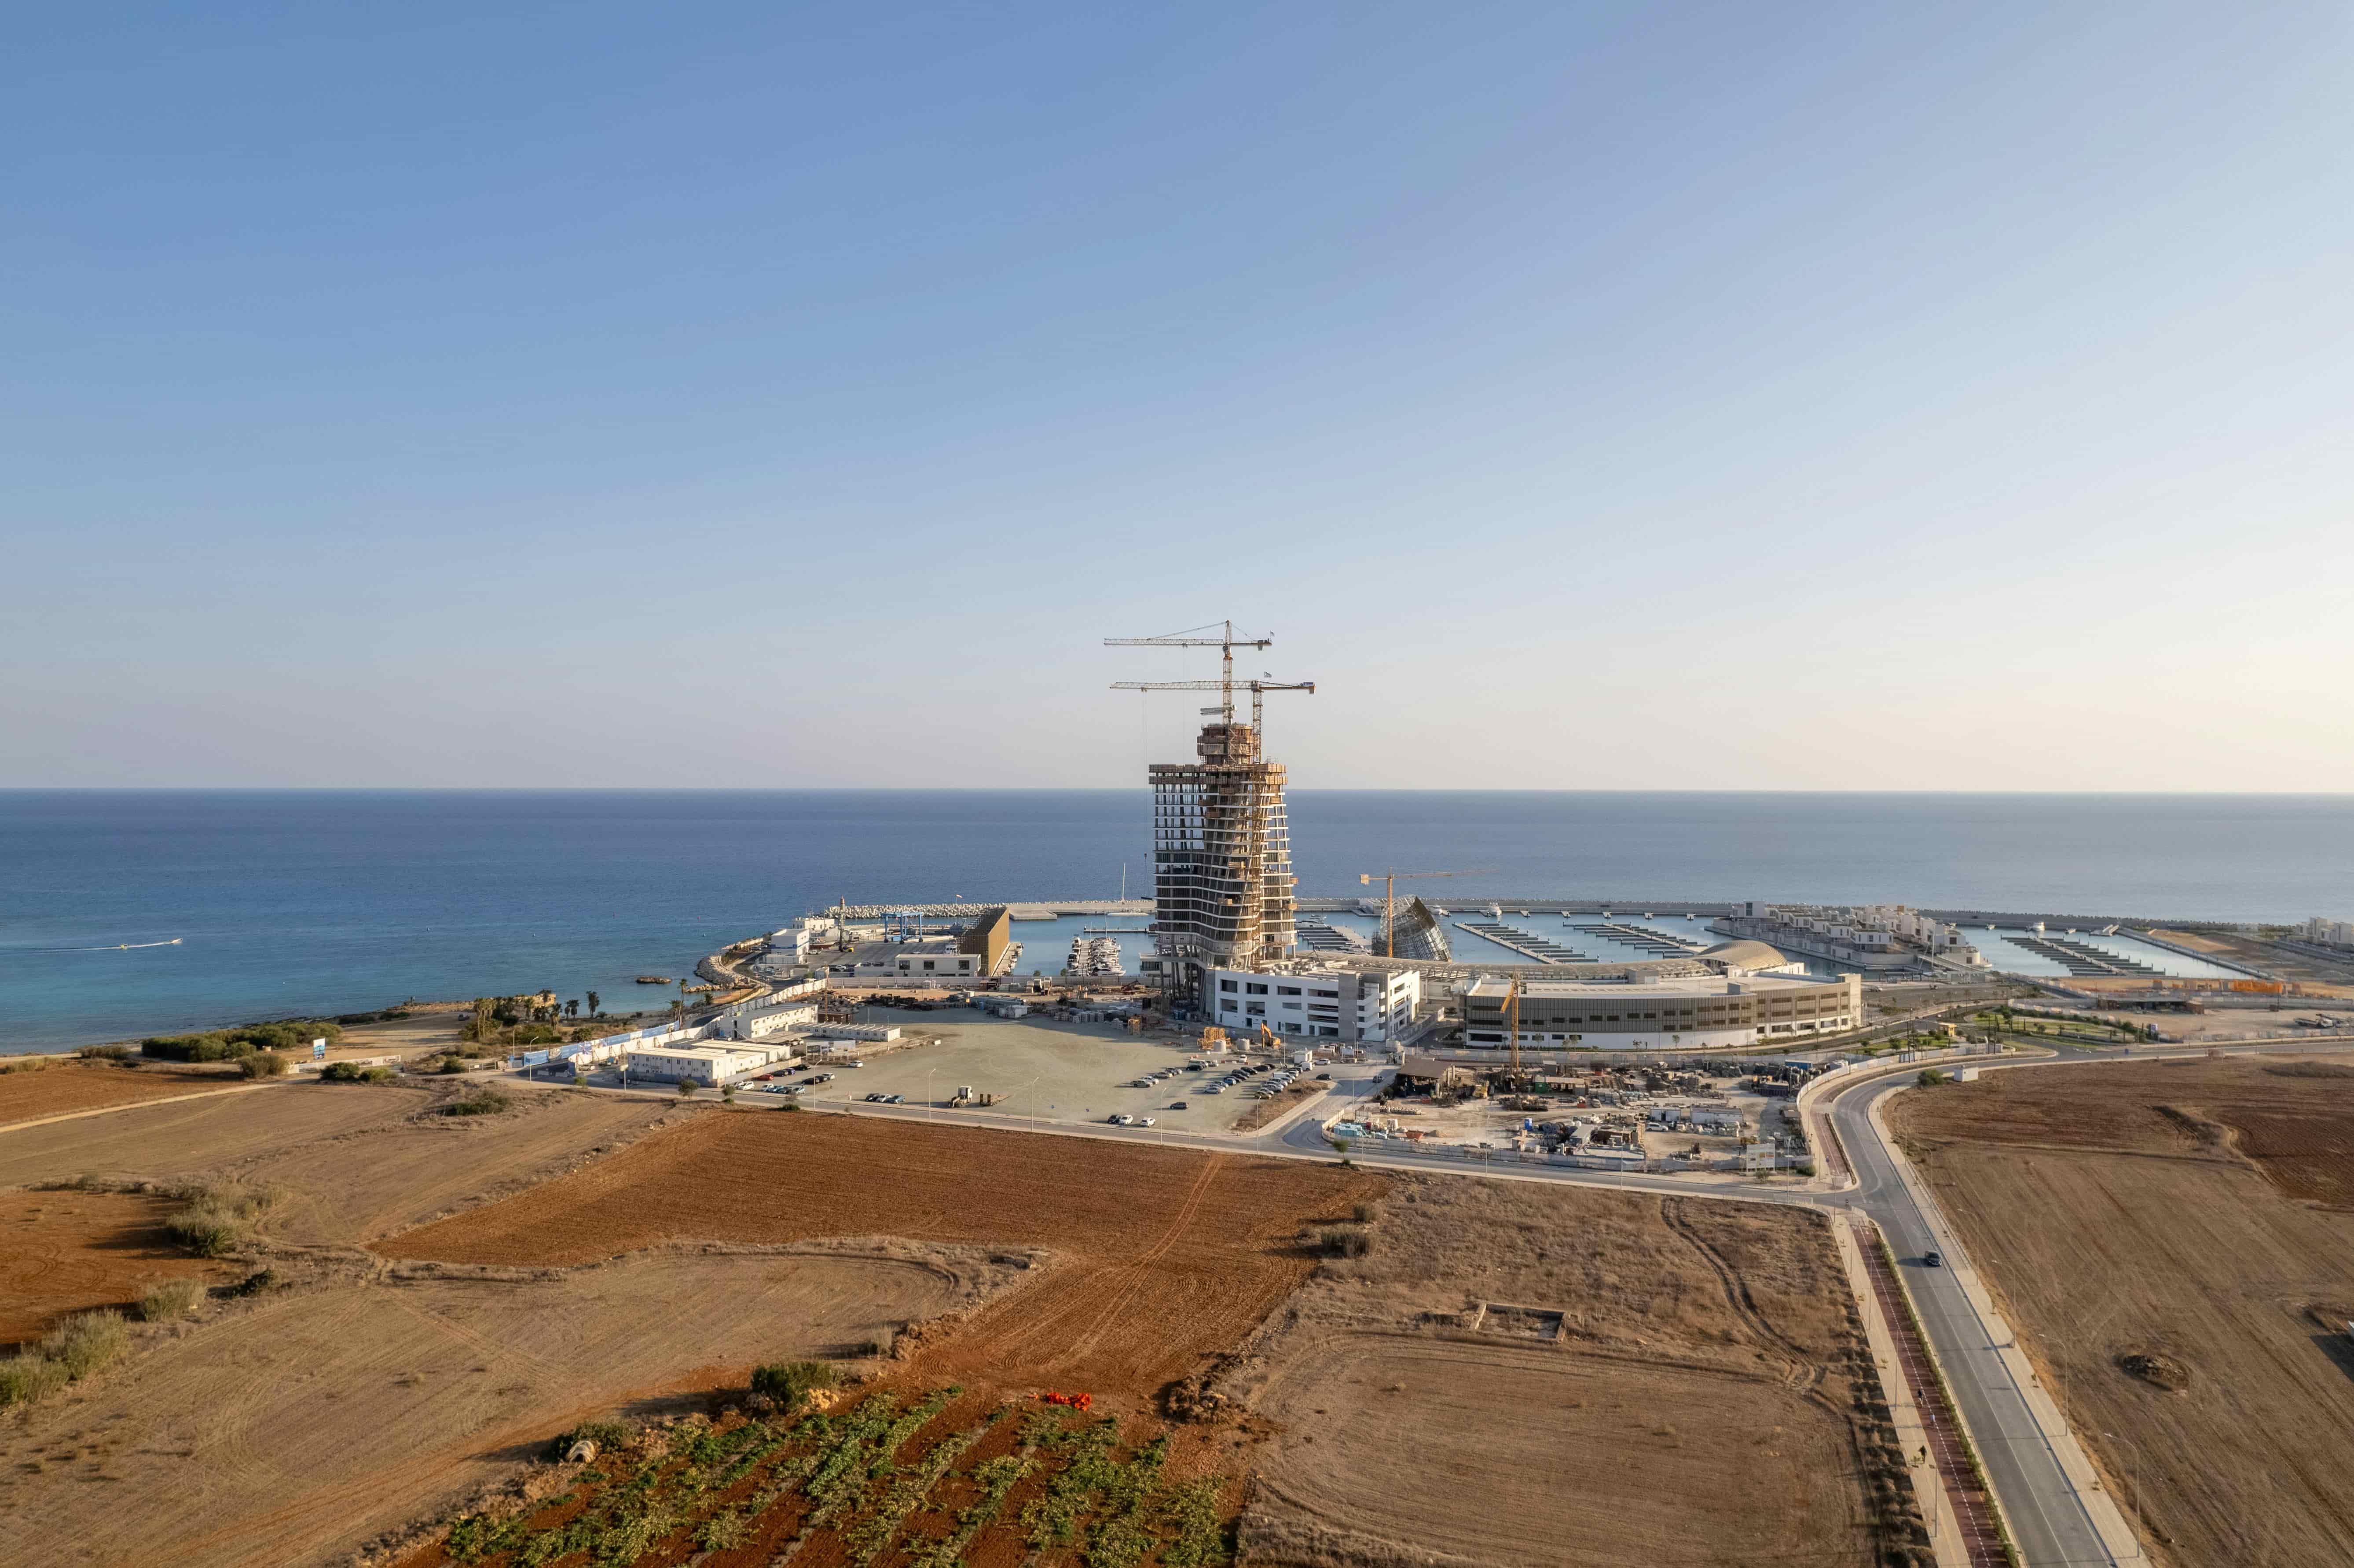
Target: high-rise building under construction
(1222, 882)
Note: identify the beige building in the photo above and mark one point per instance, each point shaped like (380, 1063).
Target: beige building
(1711, 1013)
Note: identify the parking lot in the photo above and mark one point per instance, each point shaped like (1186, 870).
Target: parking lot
(1056, 1072)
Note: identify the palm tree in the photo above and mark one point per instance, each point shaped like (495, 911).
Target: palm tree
(595, 1002)
(572, 1006)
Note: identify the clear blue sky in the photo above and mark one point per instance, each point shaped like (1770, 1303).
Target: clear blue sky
(1736, 396)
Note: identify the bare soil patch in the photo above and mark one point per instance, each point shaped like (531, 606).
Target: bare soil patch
(1163, 1257)
(65, 1087)
(2172, 1287)
(62, 1250)
(294, 1427)
(200, 1135)
(1517, 1374)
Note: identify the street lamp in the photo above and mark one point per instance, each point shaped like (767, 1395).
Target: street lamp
(2132, 1483)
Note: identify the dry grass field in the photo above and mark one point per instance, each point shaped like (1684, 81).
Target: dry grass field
(196, 1136)
(355, 1187)
(1516, 1374)
(65, 1087)
(1163, 1257)
(2169, 1240)
(312, 1419)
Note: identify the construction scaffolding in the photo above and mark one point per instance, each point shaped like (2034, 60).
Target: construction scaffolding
(1222, 888)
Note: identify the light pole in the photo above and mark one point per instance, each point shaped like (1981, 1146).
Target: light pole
(2133, 1484)
(929, 1106)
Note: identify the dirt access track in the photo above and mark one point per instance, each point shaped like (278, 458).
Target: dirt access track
(1162, 1256)
(1517, 1374)
(2172, 1242)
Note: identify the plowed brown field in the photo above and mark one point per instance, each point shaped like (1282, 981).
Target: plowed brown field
(62, 1250)
(2153, 1232)
(1165, 1256)
(71, 1087)
(1691, 1387)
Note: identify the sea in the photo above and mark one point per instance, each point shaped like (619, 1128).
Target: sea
(285, 903)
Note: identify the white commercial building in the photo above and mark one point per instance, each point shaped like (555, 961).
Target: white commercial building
(708, 1064)
(1304, 999)
(2331, 933)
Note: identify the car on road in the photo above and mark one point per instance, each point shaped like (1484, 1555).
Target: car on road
(1933, 1260)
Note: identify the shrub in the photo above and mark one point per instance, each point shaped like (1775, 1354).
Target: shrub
(26, 1376)
(188, 1048)
(1342, 1241)
(353, 1072)
(87, 1341)
(171, 1299)
(483, 1102)
(263, 1064)
(104, 1052)
(1930, 1077)
(791, 1383)
(216, 1218)
(607, 1434)
(251, 1285)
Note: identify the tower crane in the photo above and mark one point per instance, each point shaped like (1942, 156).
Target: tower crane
(1390, 879)
(1226, 642)
(1512, 1028)
(1226, 689)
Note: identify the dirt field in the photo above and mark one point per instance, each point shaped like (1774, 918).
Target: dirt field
(199, 1135)
(62, 1250)
(1164, 1256)
(304, 1424)
(1686, 1390)
(357, 1186)
(69, 1087)
(2157, 1234)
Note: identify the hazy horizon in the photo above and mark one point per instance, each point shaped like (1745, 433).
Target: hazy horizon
(1588, 397)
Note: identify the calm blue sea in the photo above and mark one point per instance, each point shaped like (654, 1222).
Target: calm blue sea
(337, 901)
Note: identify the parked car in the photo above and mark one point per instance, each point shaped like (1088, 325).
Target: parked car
(1176, 1105)
(1144, 1121)
(1120, 1118)
(894, 1099)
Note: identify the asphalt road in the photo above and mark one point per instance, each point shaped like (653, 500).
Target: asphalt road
(2047, 1520)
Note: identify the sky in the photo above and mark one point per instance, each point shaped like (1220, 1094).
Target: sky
(1678, 396)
